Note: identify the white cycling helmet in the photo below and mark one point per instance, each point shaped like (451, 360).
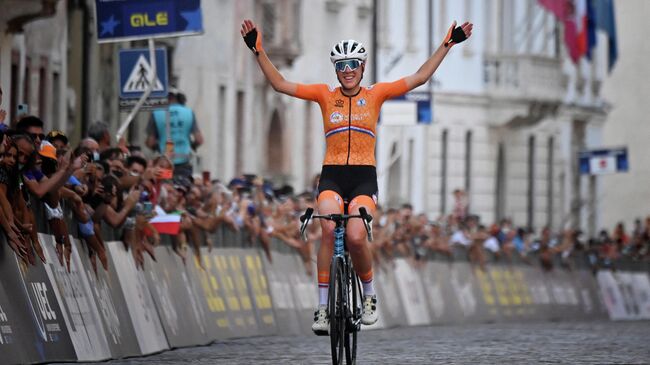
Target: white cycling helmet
(349, 49)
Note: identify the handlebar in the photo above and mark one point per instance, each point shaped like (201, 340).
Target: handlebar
(308, 216)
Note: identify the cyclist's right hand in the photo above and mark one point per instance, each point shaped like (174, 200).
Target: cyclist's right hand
(252, 36)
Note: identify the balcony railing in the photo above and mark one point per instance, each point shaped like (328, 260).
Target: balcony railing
(530, 77)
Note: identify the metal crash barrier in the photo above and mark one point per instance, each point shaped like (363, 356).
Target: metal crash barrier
(48, 314)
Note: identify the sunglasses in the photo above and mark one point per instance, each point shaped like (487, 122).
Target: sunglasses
(40, 136)
(352, 64)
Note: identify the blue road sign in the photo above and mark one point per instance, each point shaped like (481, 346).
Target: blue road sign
(603, 161)
(135, 75)
(423, 101)
(120, 20)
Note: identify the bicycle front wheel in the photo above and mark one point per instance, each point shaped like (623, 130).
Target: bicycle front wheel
(353, 322)
(337, 308)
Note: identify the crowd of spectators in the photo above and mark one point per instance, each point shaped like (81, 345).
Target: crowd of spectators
(462, 235)
(100, 183)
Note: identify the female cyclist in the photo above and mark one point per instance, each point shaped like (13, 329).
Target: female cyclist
(350, 113)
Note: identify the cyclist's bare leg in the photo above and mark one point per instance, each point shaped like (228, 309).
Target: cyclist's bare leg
(356, 238)
(329, 202)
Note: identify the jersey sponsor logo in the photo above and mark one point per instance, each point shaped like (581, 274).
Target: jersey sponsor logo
(360, 116)
(338, 103)
(361, 102)
(336, 117)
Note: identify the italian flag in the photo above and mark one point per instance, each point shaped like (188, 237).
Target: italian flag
(166, 223)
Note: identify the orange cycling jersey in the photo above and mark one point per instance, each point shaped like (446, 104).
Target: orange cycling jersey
(350, 122)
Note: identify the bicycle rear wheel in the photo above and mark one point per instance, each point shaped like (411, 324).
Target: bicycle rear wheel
(337, 308)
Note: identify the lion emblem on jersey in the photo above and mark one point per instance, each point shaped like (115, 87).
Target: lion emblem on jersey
(336, 117)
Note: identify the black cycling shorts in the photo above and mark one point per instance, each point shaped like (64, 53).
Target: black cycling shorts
(349, 181)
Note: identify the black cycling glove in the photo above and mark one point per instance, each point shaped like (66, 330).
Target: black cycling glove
(251, 41)
(457, 36)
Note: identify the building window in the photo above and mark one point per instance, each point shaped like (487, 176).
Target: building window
(411, 162)
(275, 147)
(308, 142)
(221, 127)
(549, 182)
(468, 161)
(239, 134)
(500, 193)
(410, 25)
(42, 91)
(531, 182)
(15, 77)
(443, 173)
(467, 47)
(26, 81)
(384, 23)
(56, 99)
(268, 22)
(443, 21)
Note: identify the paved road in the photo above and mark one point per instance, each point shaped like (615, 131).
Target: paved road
(546, 343)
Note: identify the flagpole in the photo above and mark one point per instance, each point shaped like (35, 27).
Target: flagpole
(145, 95)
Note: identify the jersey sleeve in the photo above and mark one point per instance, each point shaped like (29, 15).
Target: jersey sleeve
(312, 92)
(387, 90)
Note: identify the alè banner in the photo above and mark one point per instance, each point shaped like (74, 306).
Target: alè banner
(123, 20)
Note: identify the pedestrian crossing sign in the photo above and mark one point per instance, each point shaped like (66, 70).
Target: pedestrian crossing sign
(136, 74)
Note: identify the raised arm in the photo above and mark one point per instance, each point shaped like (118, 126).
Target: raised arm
(454, 36)
(253, 38)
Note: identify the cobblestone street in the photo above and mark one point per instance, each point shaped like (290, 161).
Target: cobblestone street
(554, 343)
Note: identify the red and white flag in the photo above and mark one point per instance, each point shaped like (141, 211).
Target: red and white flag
(166, 223)
(573, 14)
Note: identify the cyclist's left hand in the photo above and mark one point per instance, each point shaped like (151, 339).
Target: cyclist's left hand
(252, 36)
(457, 35)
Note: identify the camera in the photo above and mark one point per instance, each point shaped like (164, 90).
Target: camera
(22, 109)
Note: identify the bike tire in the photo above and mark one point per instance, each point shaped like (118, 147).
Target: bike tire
(353, 329)
(336, 310)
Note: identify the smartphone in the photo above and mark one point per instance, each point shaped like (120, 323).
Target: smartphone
(165, 174)
(206, 176)
(22, 109)
(148, 207)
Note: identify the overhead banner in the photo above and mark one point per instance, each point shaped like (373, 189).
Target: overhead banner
(128, 20)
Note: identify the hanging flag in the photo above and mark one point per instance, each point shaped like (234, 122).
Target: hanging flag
(554, 6)
(591, 28)
(575, 28)
(606, 21)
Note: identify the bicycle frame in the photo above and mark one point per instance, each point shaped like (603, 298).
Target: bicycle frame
(344, 288)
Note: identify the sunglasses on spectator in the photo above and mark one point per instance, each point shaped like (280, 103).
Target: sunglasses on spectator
(350, 64)
(40, 136)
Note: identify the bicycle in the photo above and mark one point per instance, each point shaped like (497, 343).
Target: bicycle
(345, 294)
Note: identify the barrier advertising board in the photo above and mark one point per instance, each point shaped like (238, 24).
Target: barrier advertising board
(77, 303)
(109, 299)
